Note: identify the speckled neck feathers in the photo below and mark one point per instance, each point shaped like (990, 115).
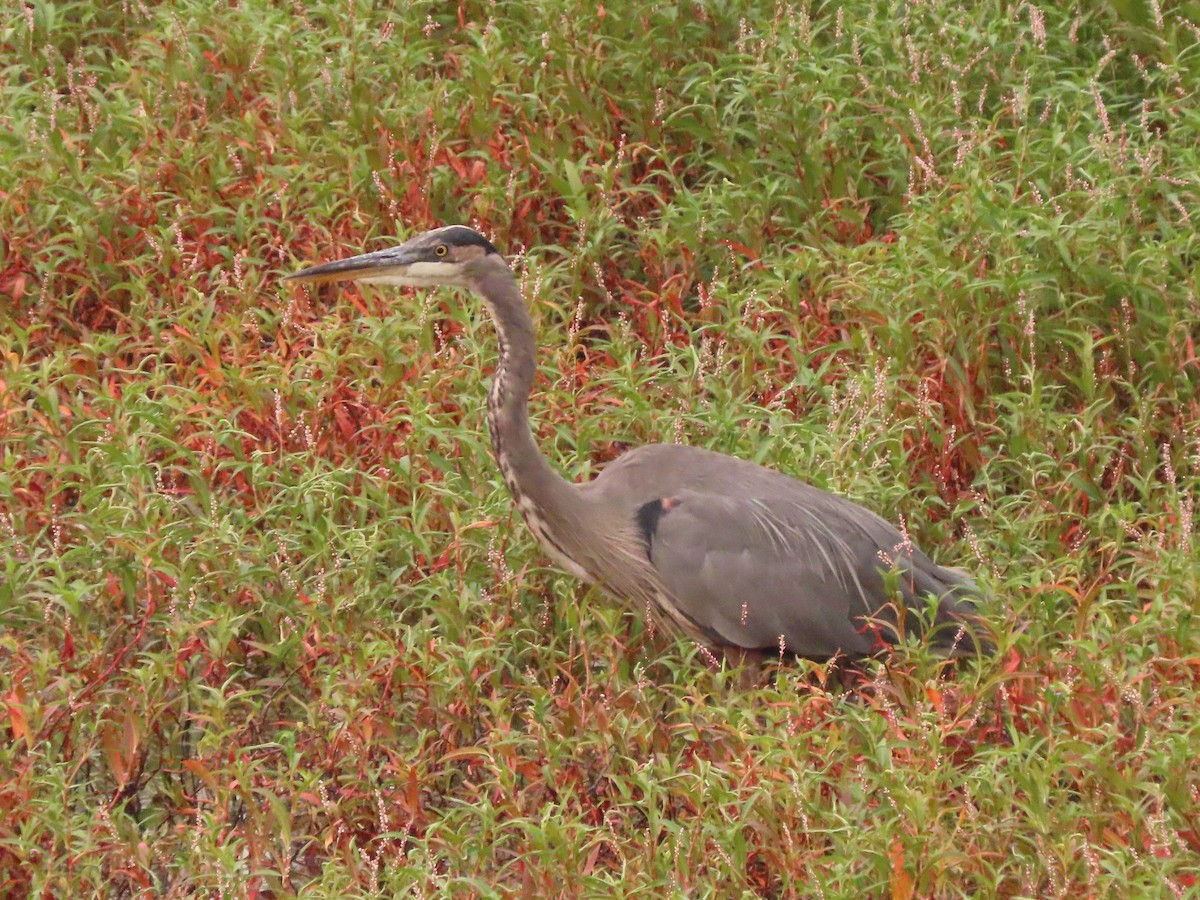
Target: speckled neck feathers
(545, 500)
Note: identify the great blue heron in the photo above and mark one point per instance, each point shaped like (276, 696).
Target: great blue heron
(744, 560)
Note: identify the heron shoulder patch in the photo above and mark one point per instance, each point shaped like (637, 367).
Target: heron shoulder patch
(649, 515)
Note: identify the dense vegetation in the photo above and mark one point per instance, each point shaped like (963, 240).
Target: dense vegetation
(267, 621)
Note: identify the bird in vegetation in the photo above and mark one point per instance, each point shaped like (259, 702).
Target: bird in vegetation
(744, 560)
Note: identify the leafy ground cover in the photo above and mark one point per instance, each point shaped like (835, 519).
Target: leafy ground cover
(269, 624)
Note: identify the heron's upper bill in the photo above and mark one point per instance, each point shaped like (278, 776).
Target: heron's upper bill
(391, 266)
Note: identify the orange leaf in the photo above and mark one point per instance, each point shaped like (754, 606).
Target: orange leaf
(201, 771)
(901, 882)
(934, 696)
(114, 753)
(590, 865)
(456, 164)
(742, 249)
(16, 718)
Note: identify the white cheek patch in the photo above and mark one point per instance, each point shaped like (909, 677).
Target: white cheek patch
(418, 274)
(432, 270)
(401, 280)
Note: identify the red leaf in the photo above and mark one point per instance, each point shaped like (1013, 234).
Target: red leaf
(413, 797)
(1013, 662)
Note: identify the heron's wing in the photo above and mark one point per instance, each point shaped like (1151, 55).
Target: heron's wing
(756, 572)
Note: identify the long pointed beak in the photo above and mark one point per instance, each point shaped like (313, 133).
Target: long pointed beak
(388, 266)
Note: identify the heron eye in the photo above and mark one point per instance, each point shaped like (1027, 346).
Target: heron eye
(440, 250)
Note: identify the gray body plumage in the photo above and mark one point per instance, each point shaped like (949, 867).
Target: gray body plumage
(753, 559)
(740, 558)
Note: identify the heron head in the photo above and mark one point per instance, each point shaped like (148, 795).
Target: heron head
(452, 255)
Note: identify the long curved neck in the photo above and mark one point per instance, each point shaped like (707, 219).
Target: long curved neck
(539, 491)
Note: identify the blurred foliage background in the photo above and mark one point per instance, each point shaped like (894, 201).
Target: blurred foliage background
(268, 623)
